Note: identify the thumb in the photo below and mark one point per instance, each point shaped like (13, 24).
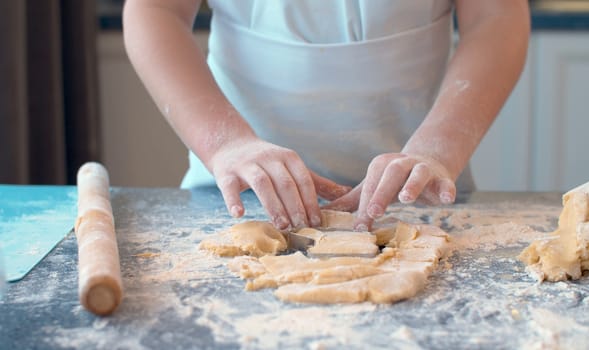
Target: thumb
(348, 202)
(328, 189)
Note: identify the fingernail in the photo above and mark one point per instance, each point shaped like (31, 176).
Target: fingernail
(446, 198)
(375, 211)
(405, 197)
(281, 223)
(235, 211)
(298, 221)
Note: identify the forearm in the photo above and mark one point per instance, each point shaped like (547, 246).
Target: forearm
(480, 76)
(159, 42)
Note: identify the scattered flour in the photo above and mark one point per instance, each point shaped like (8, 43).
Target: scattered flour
(557, 332)
(180, 297)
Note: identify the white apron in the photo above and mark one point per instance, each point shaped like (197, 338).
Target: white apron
(337, 81)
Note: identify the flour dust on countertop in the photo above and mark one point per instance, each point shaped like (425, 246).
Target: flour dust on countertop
(479, 297)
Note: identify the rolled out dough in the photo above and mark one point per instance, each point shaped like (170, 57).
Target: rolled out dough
(564, 253)
(399, 271)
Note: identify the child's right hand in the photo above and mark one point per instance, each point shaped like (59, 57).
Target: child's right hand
(286, 188)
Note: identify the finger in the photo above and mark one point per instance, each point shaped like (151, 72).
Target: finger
(392, 179)
(373, 175)
(348, 202)
(439, 191)
(230, 188)
(306, 187)
(447, 191)
(420, 176)
(327, 188)
(288, 191)
(429, 197)
(262, 185)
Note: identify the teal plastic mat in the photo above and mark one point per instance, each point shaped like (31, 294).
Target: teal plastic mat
(33, 220)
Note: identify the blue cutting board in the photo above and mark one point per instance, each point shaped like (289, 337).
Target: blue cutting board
(33, 220)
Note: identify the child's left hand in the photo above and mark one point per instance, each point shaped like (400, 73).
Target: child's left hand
(396, 176)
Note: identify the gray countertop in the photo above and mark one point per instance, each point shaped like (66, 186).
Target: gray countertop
(178, 297)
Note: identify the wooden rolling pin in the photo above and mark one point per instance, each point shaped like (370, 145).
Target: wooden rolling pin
(99, 270)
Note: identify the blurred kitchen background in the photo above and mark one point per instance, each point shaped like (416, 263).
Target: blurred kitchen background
(68, 94)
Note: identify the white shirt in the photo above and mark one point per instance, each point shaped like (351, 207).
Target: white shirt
(330, 21)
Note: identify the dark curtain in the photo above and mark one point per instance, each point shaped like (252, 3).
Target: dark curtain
(49, 118)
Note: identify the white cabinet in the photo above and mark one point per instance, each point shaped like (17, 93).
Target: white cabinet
(539, 140)
(501, 162)
(561, 106)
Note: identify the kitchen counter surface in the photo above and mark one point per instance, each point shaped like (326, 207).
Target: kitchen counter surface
(177, 296)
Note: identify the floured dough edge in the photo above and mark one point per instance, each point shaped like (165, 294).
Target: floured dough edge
(564, 253)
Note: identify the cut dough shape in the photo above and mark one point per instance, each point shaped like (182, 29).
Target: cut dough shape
(334, 219)
(340, 242)
(565, 252)
(384, 234)
(256, 238)
(400, 271)
(381, 288)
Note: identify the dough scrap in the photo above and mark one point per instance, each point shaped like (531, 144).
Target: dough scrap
(564, 253)
(399, 271)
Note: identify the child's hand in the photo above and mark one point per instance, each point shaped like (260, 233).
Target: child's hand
(283, 184)
(396, 176)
